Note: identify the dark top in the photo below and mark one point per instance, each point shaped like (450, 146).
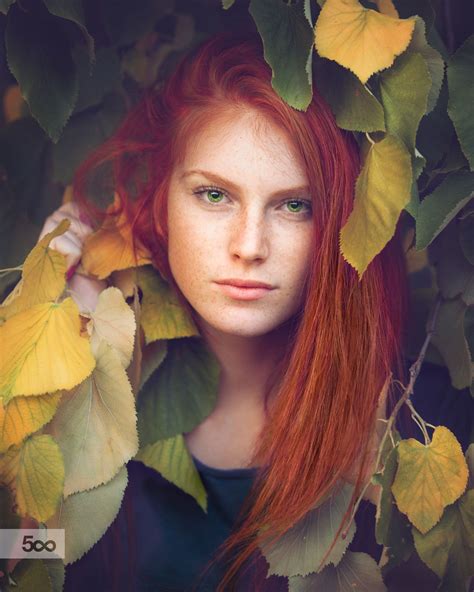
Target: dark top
(166, 535)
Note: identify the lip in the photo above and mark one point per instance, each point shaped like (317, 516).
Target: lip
(244, 283)
(251, 290)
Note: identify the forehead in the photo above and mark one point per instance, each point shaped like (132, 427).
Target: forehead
(243, 142)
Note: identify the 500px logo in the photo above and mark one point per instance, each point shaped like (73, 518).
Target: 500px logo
(37, 543)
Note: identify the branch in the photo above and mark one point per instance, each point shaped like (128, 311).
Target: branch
(405, 398)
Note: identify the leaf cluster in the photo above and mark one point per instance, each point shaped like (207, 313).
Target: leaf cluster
(85, 393)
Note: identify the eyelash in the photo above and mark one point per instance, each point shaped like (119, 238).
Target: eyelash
(202, 190)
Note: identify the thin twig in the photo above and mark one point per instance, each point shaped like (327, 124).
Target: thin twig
(414, 371)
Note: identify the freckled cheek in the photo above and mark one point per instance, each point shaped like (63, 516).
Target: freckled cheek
(295, 258)
(191, 251)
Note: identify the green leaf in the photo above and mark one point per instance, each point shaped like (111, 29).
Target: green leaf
(5, 5)
(432, 58)
(162, 314)
(87, 515)
(56, 572)
(353, 105)
(461, 96)
(392, 529)
(382, 191)
(301, 549)
(288, 44)
(448, 548)
(470, 464)
(355, 572)
(405, 102)
(180, 394)
(17, 238)
(72, 10)
(307, 12)
(153, 355)
(105, 77)
(429, 477)
(173, 461)
(95, 424)
(85, 132)
(125, 24)
(28, 575)
(226, 4)
(450, 340)
(466, 237)
(43, 67)
(438, 208)
(436, 130)
(22, 148)
(454, 273)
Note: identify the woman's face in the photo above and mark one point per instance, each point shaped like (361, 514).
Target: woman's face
(239, 209)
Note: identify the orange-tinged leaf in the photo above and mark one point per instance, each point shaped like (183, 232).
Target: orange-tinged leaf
(43, 278)
(35, 472)
(25, 415)
(429, 478)
(360, 39)
(387, 7)
(42, 351)
(111, 247)
(14, 105)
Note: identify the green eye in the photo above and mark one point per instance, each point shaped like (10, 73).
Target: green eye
(213, 198)
(295, 205)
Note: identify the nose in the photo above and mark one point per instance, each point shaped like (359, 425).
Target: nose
(249, 235)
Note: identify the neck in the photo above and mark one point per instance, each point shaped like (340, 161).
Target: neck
(247, 364)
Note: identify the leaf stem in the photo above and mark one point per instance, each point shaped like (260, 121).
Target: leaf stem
(8, 270)
(369, 138)
(419, 421)
(414, 371)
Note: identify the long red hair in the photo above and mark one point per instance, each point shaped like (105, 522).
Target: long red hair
(347, 337)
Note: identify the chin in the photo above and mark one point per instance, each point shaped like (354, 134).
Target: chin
(253, 325)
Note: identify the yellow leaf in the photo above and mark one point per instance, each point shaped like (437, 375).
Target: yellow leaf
(162, 315)
(96, 425)
(360, 39)
(25, 415)
(35, 472)
(382, 191)
(43, 278)
(114, 322)
(42, 351)
(429, 478)
(111, 247)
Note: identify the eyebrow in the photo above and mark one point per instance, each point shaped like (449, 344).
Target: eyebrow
(218, 179)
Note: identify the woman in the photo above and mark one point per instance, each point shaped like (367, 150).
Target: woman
(239, 189)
